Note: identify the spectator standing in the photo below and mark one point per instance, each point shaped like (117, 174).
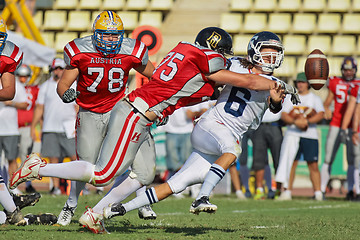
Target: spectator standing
(267, 136)
(58, 128)
(301, 138)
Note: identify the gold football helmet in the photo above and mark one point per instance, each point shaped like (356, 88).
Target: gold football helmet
(106, 24)
(3, 34)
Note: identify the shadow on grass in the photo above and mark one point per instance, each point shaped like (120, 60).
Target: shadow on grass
(126, 227)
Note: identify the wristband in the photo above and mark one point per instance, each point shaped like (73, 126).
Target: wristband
(274, 107)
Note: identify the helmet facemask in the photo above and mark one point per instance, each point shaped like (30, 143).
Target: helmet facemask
(276, 58)
(108, 47)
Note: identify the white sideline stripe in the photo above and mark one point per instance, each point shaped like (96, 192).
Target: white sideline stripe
(316, 56)
(293, 209)
(263, 227)
(264, 209)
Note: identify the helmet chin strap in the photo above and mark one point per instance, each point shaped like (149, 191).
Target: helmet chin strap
(267, 69)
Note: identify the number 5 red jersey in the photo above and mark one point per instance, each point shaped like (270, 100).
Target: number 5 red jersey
(102, 80)
(179, 80)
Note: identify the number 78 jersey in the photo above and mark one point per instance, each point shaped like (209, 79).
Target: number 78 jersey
(102, 80)
(240, 109)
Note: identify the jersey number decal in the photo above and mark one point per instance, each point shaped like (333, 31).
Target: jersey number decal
(112, 80)
(171, 64)
(237, 98)
(341, 93)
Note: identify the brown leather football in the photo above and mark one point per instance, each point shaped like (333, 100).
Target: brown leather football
(317, 69)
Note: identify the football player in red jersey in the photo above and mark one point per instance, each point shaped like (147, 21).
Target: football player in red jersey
(187, 75)
(340, 89)
(100, 63)
(10, 58)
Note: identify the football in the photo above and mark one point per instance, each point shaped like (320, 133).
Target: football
(317, 69)
(306, 112)
(309, 112)
(294, 113)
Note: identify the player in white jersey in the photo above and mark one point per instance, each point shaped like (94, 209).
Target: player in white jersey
(237, 110)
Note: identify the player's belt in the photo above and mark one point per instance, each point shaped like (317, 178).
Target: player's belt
(135, 110)
(276, 124)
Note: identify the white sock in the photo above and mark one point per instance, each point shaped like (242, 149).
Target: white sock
(2, 217)
(75, 190)
(6, 199)
(260, 189)
(140, 191)
(75, 170)
(325, 176)
(121, 189)
(318, 193)
(357, 179)
(213, 177)
(144, 199)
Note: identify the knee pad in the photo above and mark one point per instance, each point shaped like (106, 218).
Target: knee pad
(144, 177)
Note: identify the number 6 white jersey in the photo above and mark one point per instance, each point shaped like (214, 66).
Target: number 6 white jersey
(240, 109)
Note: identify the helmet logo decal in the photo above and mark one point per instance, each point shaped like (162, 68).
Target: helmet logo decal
(2, 24)
(110, 24)
(348, 64)
(214, 40)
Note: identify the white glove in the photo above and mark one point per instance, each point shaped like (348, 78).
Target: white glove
(70, 95)
(295, 99)
(161, 122)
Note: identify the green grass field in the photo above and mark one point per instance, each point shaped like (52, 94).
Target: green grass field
(298, 219)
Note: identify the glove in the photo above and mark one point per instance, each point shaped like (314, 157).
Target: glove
(162, 121)
(344, 137)
(70, 95)
(288, 89)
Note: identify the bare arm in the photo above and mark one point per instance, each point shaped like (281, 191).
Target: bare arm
(67, 79)
(147, 70)
(316, 118)
(348, 113)
(17, 105)
(38, 113)
(249, 81)
(8, 86)
(287, 118)
(356, 119)
(328, 100)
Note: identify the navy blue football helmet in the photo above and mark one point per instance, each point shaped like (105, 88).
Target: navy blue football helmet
(216, 39)
(349, 63)
(261, 40)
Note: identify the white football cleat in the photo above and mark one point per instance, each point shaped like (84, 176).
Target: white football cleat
(28, 170)
(93, 221)
(65, 215)
(240, 195)
(202, 205)
(146, 213)
(113, 210)
(284, 196)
